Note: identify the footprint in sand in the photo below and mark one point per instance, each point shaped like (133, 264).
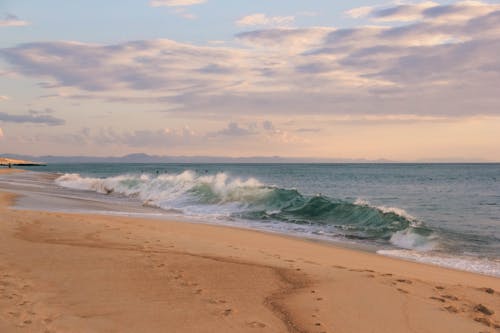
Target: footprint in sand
(451, 309)
(439, 299)
(488, 290)
(484, 321)
(255, 324)
(212, 301)
(450, 297)
(14, 314)
(339, 267)
(483, 309)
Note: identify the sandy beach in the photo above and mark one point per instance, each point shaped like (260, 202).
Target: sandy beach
(94, 273)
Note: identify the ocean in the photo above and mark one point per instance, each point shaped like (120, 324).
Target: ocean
(441, 214)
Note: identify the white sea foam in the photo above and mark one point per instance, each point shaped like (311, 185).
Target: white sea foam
(409, 239)
(384, 209)
(464, 263)
(199, 193)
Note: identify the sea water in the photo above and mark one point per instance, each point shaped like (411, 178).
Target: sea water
(443, 214)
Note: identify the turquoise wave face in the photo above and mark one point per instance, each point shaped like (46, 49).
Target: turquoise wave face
(351, 219)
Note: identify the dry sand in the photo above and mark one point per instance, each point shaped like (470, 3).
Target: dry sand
(85, 273)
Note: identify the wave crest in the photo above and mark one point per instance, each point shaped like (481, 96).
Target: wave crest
(249, 199)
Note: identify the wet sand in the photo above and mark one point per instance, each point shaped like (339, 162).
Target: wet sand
(92, 273)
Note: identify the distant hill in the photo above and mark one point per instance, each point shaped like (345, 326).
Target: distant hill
(145, 158)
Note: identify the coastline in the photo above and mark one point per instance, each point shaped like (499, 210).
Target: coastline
(82, 272)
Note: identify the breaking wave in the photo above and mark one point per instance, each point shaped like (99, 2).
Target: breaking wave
(221, 194)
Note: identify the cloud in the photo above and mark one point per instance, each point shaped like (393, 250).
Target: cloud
(175, 137)
(179, 7)
(264, 20)
(359, 12)
(460, 11)
(278, 135)
(145, 138)
(175, 3)
(403, 13)
(425, 67)
(35, 117)
(368, 119)
(10, 20)
(264, 131)
(160, 138)
(285, 38)
(308, 130)
(268, 125)
(3, 98)
(234, 129)
(168, 140)
(139, 65)
(426, 10)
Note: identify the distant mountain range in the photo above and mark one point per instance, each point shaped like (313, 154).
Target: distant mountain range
(145, 158)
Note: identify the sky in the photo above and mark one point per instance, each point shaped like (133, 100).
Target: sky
(400, 80)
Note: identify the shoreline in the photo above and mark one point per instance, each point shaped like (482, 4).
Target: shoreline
(473, 264)
(352, 246)
(84, 272)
